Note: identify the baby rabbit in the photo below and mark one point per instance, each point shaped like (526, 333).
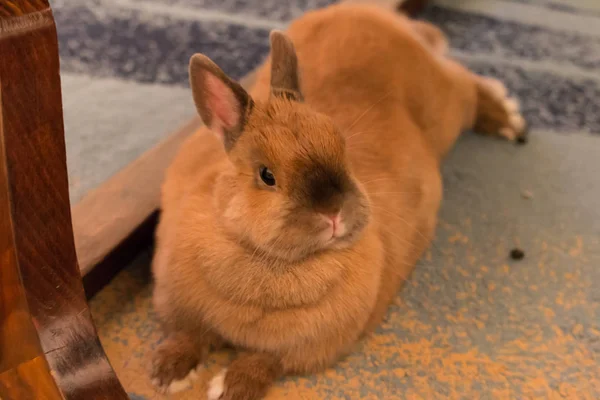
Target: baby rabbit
(289, 223)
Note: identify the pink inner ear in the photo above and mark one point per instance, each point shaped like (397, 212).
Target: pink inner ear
(222, 104)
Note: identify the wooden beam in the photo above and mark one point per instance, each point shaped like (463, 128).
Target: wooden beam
(108, 215)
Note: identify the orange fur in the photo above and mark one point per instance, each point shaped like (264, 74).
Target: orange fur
(384, 104)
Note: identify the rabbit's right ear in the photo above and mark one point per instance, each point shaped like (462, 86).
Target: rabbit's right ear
(222, 103)
(285, 76)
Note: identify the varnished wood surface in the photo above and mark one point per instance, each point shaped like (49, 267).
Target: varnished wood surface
(30, 380)
(49, 347)
(18, 338)
(16, 8)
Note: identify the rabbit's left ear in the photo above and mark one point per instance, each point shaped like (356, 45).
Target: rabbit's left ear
(222, 103)
(285, 80)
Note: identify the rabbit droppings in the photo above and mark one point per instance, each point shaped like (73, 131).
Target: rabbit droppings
(289, 223)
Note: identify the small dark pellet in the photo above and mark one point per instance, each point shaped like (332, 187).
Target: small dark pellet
(517, 254)
(522, 140)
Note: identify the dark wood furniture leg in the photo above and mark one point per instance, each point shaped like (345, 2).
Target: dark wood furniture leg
(48, 343)
(413, 7)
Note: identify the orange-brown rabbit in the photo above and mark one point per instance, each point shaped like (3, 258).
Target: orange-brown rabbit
(289, 223)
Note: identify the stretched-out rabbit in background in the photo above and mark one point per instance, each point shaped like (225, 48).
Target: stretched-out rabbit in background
(289, 223)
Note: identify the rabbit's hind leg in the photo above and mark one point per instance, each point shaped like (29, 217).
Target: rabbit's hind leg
(497, 113)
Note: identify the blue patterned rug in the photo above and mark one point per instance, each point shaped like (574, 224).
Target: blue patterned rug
(470, 323)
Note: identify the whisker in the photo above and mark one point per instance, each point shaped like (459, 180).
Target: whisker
(428, 240)
(358, 133)
(377, 193)
(398, 179)
(404, 240)
(370, 108)
(378, 179)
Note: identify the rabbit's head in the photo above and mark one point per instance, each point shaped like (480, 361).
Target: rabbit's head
(289, 191)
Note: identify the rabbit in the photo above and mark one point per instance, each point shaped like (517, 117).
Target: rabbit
(290, 221)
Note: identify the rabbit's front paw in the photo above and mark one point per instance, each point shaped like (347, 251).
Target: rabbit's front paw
(216, 386)
(249, 377)
(173, 367)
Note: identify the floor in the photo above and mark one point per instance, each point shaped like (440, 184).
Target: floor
(471, 322)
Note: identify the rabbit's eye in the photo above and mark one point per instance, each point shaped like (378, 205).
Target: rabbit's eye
(267, 176)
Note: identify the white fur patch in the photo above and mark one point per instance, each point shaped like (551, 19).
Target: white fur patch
(216, 387)
(517, 122)
(180, 385)
(508, 133)
(511, 105)
(497, 87)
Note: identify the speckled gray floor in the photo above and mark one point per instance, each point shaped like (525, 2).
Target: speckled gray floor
(470, 323)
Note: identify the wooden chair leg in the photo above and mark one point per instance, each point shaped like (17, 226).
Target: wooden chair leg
(49, 348)
(413, 7)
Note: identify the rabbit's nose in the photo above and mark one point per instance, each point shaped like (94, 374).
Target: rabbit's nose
(335, 221)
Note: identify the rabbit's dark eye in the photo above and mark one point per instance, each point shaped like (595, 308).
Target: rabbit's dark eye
(267, 176)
